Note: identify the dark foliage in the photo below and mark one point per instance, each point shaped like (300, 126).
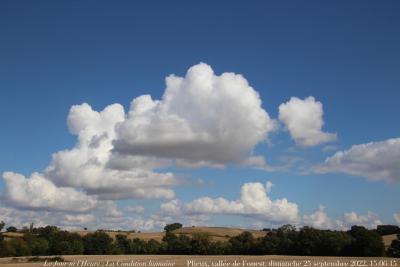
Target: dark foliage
(286, 240)
(364, 243)
(388, 229)
(394, 249)
(172, 227)
(11, 229)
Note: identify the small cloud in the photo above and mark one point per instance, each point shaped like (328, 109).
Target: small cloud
(303, 119)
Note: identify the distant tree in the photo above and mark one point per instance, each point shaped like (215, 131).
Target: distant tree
(98, 243)
(37, 246)
(122, 244)
(220, 248)
(365, 243)
(172, 227)
(7, 249)
(137, 246)
(20, 247)
(394, 249)
(269, 244)
(48, 231)
(308, 241)
(287, 235)
(200, 244)
(11, 229)
(388, 229)
(243, 243)
(153, 247)
(333, 243)
(177, 244)
(2, 224)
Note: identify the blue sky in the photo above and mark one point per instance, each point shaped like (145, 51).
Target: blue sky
(345, 54)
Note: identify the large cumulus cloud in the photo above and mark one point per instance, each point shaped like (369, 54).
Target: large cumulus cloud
(201, 117)
(91, 165)
(202, 120)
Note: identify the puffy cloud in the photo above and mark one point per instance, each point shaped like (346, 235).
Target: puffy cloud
(319, 219)
(375, 161)
(40, 193)
(370, 220)
(303, 119)
(254, 202)
(91, 165)
(201, 117)
(202, 120)
(79, 220)
(396, 217)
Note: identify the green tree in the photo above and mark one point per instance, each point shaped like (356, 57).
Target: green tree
(122, 244)
(7, 249)
(137, 246)
(269, 244)
(98, 243)
(388, 229)
(365, 243)
(394, 249)
(172, 227)
(333, 243)
(20, 246)
(11, 229)
(287, 235)
(177, 244)
(200, 244)
(243, 243)
(153, 247)
(2, 224)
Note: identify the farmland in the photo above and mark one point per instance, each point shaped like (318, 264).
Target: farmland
(201, 261)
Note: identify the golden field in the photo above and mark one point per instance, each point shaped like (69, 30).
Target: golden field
(202, 261)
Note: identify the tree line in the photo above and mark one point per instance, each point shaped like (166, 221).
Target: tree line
(286, 240)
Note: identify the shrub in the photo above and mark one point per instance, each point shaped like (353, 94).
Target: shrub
(11, 229)
(172, 227)
(394, 249)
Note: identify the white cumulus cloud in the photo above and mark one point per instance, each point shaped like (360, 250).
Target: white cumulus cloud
(201, 117)
(91, 165)
(396, 217)
(254, 202)
(370, 220)
(375, 161)
(37, 192)
(303, 119)
(319, 219)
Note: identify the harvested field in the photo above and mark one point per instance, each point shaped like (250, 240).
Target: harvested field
(387, 239)
(202, 261)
